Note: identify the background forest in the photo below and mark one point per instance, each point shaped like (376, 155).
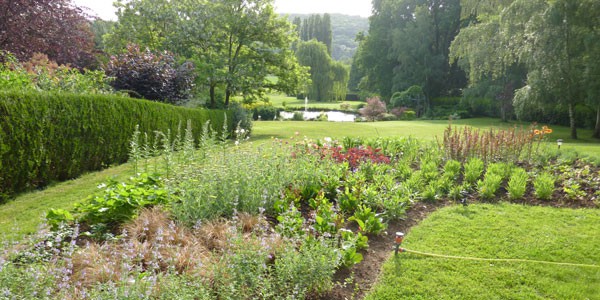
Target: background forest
(535, 61)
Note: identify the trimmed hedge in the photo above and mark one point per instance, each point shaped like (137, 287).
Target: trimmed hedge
(46, 137)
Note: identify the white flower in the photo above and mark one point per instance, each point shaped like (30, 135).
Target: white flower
(328, 139)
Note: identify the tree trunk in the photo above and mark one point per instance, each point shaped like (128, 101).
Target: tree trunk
(572, 121)
(597, 129)
(212, 96)
(227, 96)
(503, 112)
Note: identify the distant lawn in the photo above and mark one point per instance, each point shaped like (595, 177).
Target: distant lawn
(425, 130)
(497, 231)
(277, 100)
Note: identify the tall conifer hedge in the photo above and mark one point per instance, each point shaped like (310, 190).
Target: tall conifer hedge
(47, 137)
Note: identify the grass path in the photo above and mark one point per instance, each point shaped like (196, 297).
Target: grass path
(497, 231)
(24, 214)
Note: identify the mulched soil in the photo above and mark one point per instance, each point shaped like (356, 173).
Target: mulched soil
(365, 273)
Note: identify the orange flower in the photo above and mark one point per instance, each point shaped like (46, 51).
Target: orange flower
(536, 132)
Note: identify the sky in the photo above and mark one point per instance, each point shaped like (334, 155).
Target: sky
(105, 10)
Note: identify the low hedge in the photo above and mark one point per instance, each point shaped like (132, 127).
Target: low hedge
(46, 137)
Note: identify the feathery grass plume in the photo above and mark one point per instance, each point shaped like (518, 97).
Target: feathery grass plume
(215, 234)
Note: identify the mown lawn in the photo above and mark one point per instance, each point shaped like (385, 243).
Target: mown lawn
(497, 231)
(278, 101)
(425, 130)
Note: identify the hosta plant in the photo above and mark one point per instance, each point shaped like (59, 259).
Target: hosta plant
(368, 222)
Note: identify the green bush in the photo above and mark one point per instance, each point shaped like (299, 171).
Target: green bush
(408, 115)
(473, 169)
(543, 186)
(120, 202)
(298, 116)
(265, 112)
(151, 75)
(306, 271)
(46, 137)
(517, 185)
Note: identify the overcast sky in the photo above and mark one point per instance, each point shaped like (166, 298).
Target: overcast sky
(105, 10)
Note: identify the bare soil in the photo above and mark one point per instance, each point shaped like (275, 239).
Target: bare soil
(365, 274)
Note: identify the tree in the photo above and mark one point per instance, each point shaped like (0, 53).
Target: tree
(101, 27)
(153, 76)
(408, 44)
(234, 44)
(592, 60)
(374, 109)
(547, 38)
(314, 55)
(316, 27)
(413, 97)
(340, 77)
(479, 50)
(54, 27)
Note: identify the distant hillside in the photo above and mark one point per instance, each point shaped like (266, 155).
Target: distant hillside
(344, 29)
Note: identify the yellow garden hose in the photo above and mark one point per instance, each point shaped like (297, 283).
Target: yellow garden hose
(499, 259)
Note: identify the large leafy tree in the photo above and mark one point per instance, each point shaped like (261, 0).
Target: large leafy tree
(408, 44)
(592, 59)
(550, 39)
(340, 76)
(56, 28)
(314, 55)
(479, 50)
(235, 45)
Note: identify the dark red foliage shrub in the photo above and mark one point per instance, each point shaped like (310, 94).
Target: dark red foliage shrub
(149, 75)
(354, 156)
(374, 109)
(56, 28)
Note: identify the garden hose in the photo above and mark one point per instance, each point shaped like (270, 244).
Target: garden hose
(498, 259)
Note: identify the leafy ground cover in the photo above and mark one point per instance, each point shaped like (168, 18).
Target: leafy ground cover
(497, 231)
(247, 221)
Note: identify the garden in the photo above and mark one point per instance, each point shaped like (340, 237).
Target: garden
(298, 218)
(144, 159)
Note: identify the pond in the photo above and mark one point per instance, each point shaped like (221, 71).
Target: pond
(332, 116)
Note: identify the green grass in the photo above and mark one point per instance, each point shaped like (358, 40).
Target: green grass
(497, 231)
(426, 130)
(23, 215)
(278, 99)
